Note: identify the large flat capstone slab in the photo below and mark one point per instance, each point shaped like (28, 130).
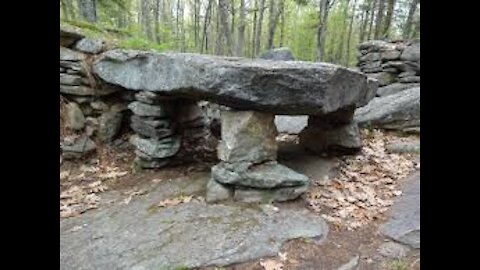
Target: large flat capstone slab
(278, 87)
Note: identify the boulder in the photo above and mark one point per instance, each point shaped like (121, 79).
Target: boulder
(279, 87)
(247, 136)
(411, 53)
(77, 148)
(265, 175)
(383, 78)
(278, 54)
(109, 125)
(71, 55)
(68, 37)
(88, 45)
(75, 117)
(397, 111)
(344, 138)
(394, 88)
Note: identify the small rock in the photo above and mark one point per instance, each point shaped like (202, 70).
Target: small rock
(393, 250)
(82, 90)
(278, 54)
(350, 265)
(290, 124)
(256, 195)
(70, 79)
(383, 78)
(75, 117)
(403, 147)
(217, 192)
(151, 164)
(99, 105)
(70, 55)
(319, 139)
(163, 148)
(143, 109)
(150, 97)
(78, 148)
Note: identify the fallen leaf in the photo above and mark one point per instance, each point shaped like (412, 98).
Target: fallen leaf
(271, 265)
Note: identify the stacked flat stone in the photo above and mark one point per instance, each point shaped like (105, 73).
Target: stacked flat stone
(396, 65)
(155, 139)
(248, 170)
(93, 109)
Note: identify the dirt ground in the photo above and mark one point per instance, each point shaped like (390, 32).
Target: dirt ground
(111, 170)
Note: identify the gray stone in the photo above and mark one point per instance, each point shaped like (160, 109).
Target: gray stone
(86, 90)
(290, 124)
(397, 111)
(393, 250)
(383, 78)
(278, 54)
(163, 148)
(217, 192)
(412, 147)
(344, 138)
(150, 97)
(71, 55)
(189, 113)
(351, 264)
(88, 45)
(151, 163)
(404, 222)
(146, 130)
(143, 109)
(410, 79)
(411, 53)
(391, 55)
(394, 88)
(407, 74)
(72, 66)
(371, 70)
(151, 121)
(109, 125)
(373, 45)
(62, 70)
(140, 235)
(247, 136)
(264, 175)
(99, 105)
(279, 87)
(370, 65)
(282, 194)
(398, 65)
(68, 37)
(70, 79)
(78, 99)
(370, 57)
(78, 148)
(75, 117)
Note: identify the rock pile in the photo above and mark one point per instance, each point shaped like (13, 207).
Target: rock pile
(396, 65)
(248, 169)
(92, 108)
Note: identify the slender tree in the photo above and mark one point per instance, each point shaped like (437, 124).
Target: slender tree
(325, 6)
(239, 51)
(349, 36)
(259, 26)
(388, 18)
(88, 10)
(379, 19)
(408, 24)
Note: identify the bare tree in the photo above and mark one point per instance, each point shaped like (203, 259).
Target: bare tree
(254, 28)
(206, 23)
(224, 32)
(156, 16)
(274, 14)
(282, 25)
(370, 26)
(350, 27)
(408, 24)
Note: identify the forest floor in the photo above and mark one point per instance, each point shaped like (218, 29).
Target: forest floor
(352, 193)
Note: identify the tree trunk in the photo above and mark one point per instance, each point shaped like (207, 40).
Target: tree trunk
(408, 24)
(195, 23)
(156, 16)
(239, 51)
(372, 10)
(340, 50)
(88, 10)
(350, 27)
(272, 23)
(365, 16)
(388, 18)
(254, 29)
(64, 10)
(259, 27)
(224, 33)
(379, 20)
(232, 6)
(282, 26)
(206, 22)
(322, 28)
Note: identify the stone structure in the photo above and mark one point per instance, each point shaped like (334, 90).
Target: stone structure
(92, 108)
(396, 65)
(251, 92)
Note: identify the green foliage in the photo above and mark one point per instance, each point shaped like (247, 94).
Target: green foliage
(137, 43)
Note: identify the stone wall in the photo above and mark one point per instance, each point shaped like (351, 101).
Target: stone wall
(93, 112)
(396, 65)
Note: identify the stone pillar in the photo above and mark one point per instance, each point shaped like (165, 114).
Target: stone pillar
(155, 139)
(248, 169)
(335, 132)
